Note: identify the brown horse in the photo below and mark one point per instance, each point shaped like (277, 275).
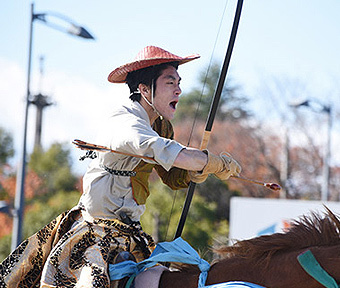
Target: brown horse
(271, 260)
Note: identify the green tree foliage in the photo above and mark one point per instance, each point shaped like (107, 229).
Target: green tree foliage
(207, 219)
(54, 166)
(37, 216)
(56, 195)
(216, 191)
(232, 105)
(39, 212)
(6, 152)
(6, 146)
(5, 246)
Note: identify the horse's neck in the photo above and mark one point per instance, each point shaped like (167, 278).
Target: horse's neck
(223, 271)
(281, 272)
(232, 269)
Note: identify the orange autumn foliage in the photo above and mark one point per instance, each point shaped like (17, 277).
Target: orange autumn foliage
(33, 187)
(257, 158)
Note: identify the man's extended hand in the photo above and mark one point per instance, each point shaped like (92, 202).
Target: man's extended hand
(222, 166)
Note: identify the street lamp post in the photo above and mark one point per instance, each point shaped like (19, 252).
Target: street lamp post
(325, 195)
(327, 109)
(20, 184)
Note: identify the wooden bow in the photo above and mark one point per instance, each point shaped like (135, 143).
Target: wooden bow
(212, 113)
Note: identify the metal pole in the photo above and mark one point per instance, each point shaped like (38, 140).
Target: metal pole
(284, 173)
(41, 102)
(325, 195)
(38, 125)
(19, 202)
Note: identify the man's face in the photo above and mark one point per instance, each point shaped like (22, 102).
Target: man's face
(167, 92)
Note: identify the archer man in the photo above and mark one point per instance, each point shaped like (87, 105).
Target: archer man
(75, 249)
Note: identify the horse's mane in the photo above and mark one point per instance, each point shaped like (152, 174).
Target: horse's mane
(309, 230)
(312, 230)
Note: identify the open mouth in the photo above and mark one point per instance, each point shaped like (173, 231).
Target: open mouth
(173, 104)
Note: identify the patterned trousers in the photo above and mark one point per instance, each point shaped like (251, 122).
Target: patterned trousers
(73, 252)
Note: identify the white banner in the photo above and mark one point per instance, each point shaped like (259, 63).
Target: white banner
(252, 217)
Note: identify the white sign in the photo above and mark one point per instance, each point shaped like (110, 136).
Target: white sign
(252, 217)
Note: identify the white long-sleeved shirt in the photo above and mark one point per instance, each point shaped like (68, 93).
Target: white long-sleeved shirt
(127, 130)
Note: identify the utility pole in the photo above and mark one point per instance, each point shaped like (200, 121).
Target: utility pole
(325, 191)
(40, 101)
(319, 107)
(284, 174)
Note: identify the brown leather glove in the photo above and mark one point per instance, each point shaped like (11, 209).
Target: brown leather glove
(223, 166)
(197, 176)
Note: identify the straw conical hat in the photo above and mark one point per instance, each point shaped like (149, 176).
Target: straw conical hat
(148, 56)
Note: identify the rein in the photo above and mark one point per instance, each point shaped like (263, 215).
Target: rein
(314, 269)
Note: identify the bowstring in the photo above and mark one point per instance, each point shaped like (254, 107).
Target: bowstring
(198, 108)
(170, 216)
(207, 73)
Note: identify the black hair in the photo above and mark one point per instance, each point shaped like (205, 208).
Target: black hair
(145, 76)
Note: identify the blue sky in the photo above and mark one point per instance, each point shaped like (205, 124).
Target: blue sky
(276, 40)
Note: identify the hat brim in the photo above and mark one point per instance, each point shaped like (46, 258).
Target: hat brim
(119, 74)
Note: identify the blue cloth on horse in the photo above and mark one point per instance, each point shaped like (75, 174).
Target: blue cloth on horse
(234, 284)
(313, 268)
(175, 251)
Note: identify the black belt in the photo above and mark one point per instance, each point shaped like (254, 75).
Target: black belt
(119, 172)
(126, 219)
